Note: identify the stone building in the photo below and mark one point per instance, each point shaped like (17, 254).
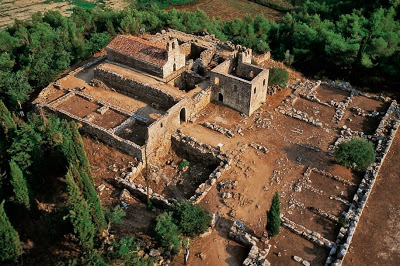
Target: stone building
(138, 95)
(239, 84)
(146, 56)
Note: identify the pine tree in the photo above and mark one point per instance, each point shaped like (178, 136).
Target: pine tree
(10, 245)
(20, 186)
(273, 216)
(79, 214)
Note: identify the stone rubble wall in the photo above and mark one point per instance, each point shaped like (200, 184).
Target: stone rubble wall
(297, 114)
(105, 135)
(161, 130)
(256, 256)
(307, 234)
(219, 129)
(198, 151)
(140, 192)
(390, 124)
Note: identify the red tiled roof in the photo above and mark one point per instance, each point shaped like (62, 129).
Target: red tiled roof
(139, 49)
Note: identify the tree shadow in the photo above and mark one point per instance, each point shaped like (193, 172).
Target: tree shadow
(309, 157)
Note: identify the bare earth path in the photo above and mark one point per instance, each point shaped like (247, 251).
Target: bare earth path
(377, 238)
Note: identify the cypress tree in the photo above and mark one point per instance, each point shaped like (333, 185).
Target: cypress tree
(6, 121)
(20, 186)
(93, 200)
(10, 245)
(273, 216)
(7, 129)
(79, 214)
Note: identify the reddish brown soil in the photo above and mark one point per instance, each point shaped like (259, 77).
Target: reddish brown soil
(109, 119)
(377, 238)
(218, 248)
(365, 124)
(326, 94)
(289, 244)
(336, 188)
(316, 110)
(54, 95)
(136, 133)
(368, 105)
(254, 172)
(170, 182)
(78, 106)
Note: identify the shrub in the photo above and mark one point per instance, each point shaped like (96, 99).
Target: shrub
(273, 216)
(10, 246)
(357, 154)
(166, 232)
(278, 76)
(182, 165)
(191, 219)
(114, 215)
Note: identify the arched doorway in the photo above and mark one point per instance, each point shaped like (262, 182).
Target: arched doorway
(182, 115)
(220, 97)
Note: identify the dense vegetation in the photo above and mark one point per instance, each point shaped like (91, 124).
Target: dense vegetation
(340, 39)
(183, 218)
(357, 154)
(278, 76)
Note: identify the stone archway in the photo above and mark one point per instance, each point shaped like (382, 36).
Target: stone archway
(220, 97)
(182, 115)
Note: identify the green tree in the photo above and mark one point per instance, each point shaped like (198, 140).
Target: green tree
(274, 216)
(191, 219)
(166, 232)
(20, 186)
(357, 154)
(278, 76)
(10, 245)
(79, 214)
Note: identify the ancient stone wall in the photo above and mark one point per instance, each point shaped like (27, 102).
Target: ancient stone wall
(135, 63)
(389, 124)
(105, 135)
(231, 91)
(259, 86)
(176, 59)
(130, 87)
(160, 131)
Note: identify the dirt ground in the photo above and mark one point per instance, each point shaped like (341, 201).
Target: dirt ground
(171, 182)
(377, 238)
(293, 146)
(259, 175)
(78, 106)
(231, 9)
(24, 9)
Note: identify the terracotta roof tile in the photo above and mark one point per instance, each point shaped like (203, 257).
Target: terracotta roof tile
(139, 49)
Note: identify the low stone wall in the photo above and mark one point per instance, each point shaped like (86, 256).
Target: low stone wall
(390, 124)
(311, 236)
(218, 129)
(197, 151)
(140, 192)
(255, 257)
(105, 135)
(297, 114)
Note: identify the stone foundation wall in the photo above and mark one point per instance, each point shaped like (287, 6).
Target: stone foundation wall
(390, 124)
(135, 63)
(134, 88)
(105, 135)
